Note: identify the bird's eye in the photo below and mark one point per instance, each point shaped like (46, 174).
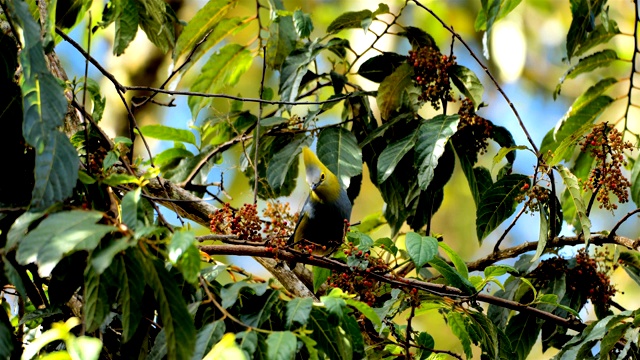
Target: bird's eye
(322, 177)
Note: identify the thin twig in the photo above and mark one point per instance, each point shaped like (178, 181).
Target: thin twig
(621, 221)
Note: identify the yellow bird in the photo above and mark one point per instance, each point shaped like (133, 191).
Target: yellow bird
(321, 224)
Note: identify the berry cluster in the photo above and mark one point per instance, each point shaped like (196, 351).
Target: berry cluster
(360, 282)
(431, 74)
(243, 223)
(537, 195)
(589, 276)
(280, 225)
(474, 131)
(606, 145)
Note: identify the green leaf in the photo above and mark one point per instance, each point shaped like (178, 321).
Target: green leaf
(167, 156)
(294, 68)
(543, 235)
(224, 68)
(179, 329)
(492, 11)
(126, 19)
(397, 91)
(131, 284)
(589, 63)
(583, 15)
(185, 255)
(523, 331)
(157, 23)
(229, 293)
(6, 336)
(432, 138)
(162, 132)
(281, 42)
(330, 338)
(20, 227)
(453, 277)
(61, 234)
(208, 335)
(56, 171)
(320, 276)
(611, 338)
(351, 20)
(281, 345)
(205, 22)
(393, 153)
(338, 150)
(417, 37)
(467, 83)
(600, 35)
(459, 328)
(129, 207)
(298, 311)
(96, 297)
(116, 179)
(504, 151)
(103, 258)
(635, 182)
(365, 310)
(498, 203)
(14, 278)
(421, 249)
(457, 261)
(302, 23)
(574, 189)
(379, 67)
(282, 160)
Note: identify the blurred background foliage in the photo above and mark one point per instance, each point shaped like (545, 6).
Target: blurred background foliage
(525, 52)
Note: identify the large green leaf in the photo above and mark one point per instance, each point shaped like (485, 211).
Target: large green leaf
(635, 182)
(6, 336)
(351, 20)
(393, 153)
(338, 150)
(583, 13)
(421, 249)
(61, 234)
(157, 21)
(56, 170)
(223, 69)
(572, 184)
(281, 161)
(587, 64)
(209, 335)
(126, 17)
(458, 327)
(330, 338)
(467, 83)
(298, 311)
(453, 277)
(281, 41)
(379, 67)
(302, 23)
(131, 284)
(397, 91)
(498, 202)
(97, 295)
(523, 330)
(281, 345)
(294, 68)
(179, 329)
(432, 137)
(163, 132)
(600, 35)
(185, 255)
(203, 23)
(492, 11)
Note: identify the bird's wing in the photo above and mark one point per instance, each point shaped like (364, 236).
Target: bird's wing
(302, 218)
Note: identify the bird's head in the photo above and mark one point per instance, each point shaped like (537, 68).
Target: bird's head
(324, 185)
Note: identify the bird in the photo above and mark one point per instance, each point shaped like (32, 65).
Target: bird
(326, 212)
